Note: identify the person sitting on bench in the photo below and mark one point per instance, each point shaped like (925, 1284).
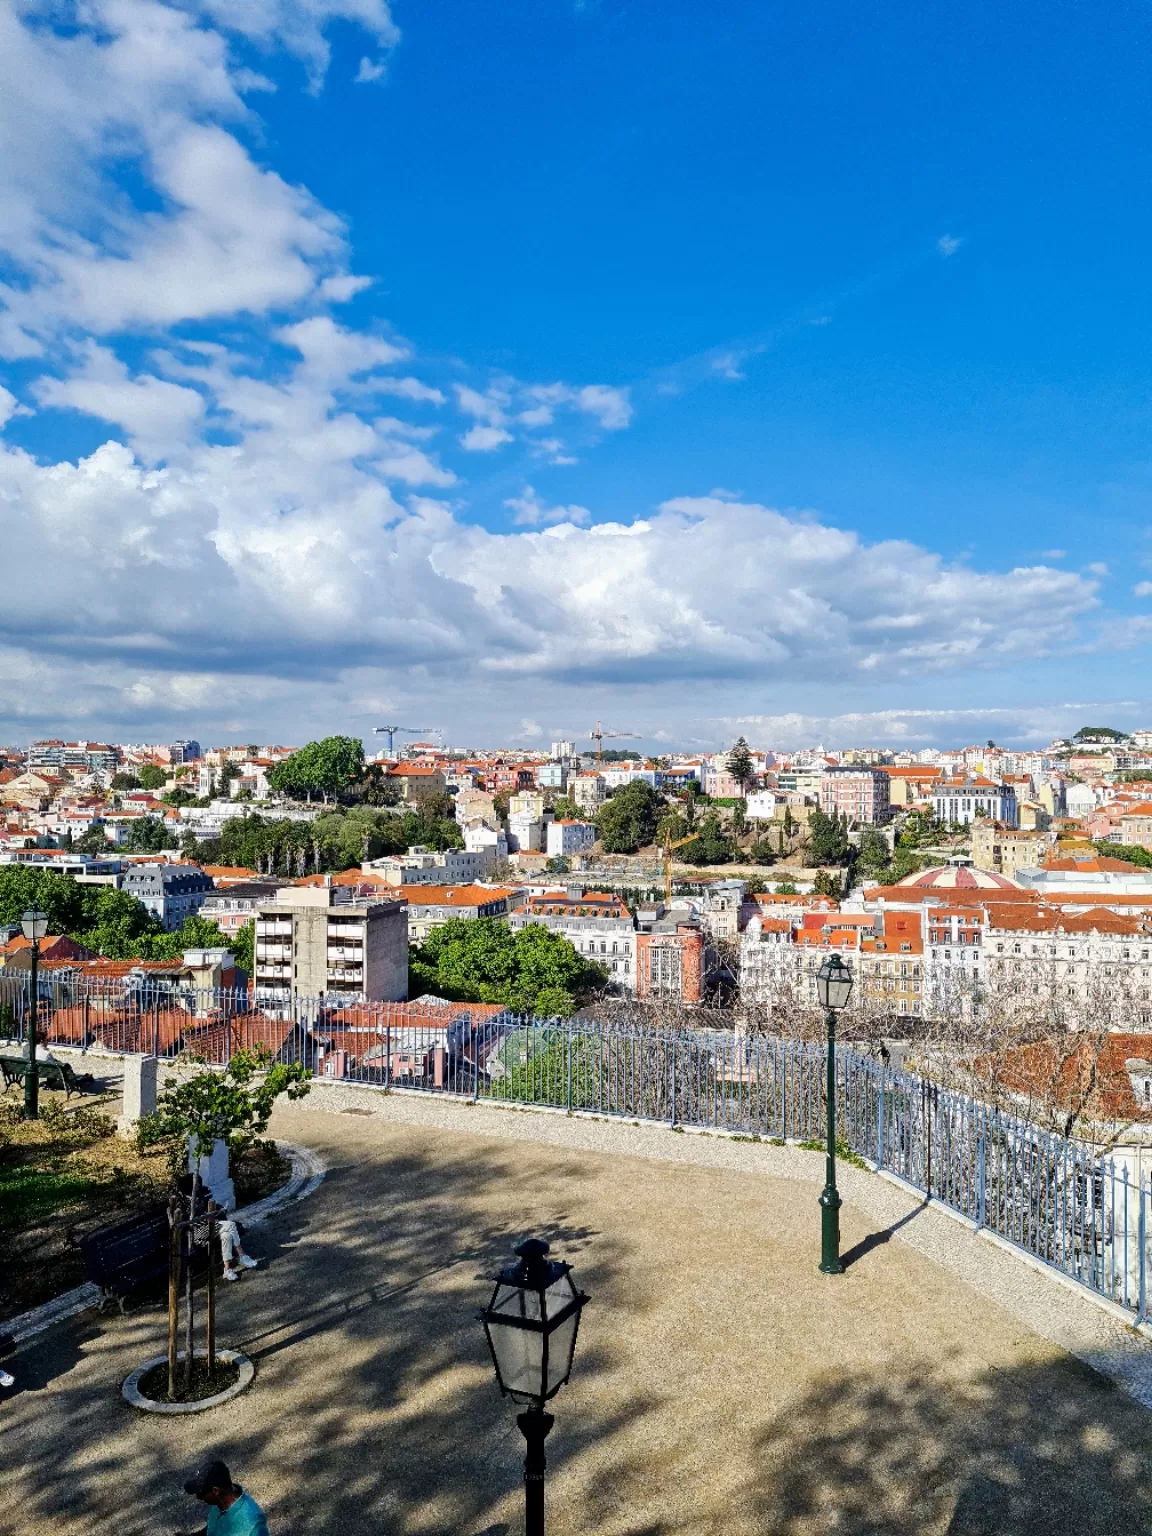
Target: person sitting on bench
(232, 1251)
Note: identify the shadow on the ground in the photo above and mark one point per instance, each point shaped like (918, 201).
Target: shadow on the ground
(876, 1240)
(375, 1410)
(1051, 1448)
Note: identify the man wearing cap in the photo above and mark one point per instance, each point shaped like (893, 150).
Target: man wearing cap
(231, 1511)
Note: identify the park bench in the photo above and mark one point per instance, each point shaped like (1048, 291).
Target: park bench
(52, 1074)
(128, 1256)
(133, 1255)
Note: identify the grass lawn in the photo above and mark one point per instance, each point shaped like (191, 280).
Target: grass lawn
(68, 1173)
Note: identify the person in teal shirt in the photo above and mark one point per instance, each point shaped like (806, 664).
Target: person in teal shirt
(231, 1511)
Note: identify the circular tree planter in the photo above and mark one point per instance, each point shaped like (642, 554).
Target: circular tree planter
(244, 1372)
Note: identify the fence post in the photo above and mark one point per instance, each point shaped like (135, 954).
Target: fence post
(156, 1027)
(569, 1032)
(1142, 1230)
(672, 1084)
(982, 1181)
(880, 1124)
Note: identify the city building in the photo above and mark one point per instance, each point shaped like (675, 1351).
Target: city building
(596, 923)
(171, 892)
(958, 802)
(552, 775)
(858, 792)
(184, 752)
(1008, 849)
(429, 906)
(421, 866)
(233, 906)
(562, 751)
(565, 838)
(589, 792)
(671, 956)
(320, 940)
(417, 781)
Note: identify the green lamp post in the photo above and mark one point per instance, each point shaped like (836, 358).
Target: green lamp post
(834, 988)
(35, 925)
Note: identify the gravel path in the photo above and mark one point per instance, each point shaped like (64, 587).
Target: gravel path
(1051, 1306)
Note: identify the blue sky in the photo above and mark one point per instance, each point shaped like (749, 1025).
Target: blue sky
(778, 368)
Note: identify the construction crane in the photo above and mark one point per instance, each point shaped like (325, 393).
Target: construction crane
(668, 847)
(392, 731)
(600, 736)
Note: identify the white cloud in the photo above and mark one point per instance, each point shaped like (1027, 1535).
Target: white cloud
(1143, 589)
(369, 72)
(1097, 568)
(948, 245)
(484, 439)
(529, 509)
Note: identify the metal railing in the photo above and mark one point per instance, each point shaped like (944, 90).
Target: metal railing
(1054, 1197)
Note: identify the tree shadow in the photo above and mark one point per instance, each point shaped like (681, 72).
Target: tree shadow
(1051, 1447)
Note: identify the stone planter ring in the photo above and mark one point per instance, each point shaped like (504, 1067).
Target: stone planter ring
(132, 1394)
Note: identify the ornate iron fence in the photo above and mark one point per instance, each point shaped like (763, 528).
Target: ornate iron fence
(1053, 1197)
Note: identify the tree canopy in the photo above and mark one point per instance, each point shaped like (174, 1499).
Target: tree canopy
(339, 839)
(740, 763)
(324, 768)
(711, 845)
(107, 921)
(152, 777)
(827, 840)
(629, 819)
(533, 970)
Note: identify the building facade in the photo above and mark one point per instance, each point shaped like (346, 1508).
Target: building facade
(171, 892)
(958, 802)
(860, 793)
(320, 940)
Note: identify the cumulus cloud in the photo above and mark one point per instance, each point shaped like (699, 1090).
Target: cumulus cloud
(261, 541)
(484, 439)
(1143, 589)
(948, 245)
(531, 510)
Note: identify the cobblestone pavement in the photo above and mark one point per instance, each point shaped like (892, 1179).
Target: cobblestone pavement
(722, 1384)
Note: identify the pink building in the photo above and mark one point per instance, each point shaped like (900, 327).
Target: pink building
(859, 793)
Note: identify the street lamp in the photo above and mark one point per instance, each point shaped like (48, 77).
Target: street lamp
(35, 926)
(531, 1324)
(834, 988)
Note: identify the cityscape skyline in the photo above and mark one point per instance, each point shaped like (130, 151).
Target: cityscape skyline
(361, 364)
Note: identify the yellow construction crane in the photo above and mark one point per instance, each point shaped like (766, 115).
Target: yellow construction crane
(668, 847)
(600, 736)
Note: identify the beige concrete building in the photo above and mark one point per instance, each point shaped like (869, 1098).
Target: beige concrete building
(321, 939)
(1007, 849)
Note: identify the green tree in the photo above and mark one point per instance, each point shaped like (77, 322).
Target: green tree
(93, 840)
(152, 777)
(872, 856)
(827, 840)
(628, 821)
(739, 821)
(123, 781)
(827, 884)
(326, 768)
(710, 845)
(233, 1106)
(481, 960)
(179, 797)
(1130, 854)
(740, 764)
(762, 852)
(566, 810)
(147, 835)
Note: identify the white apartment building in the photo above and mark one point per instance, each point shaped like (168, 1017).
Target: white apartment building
(421, 866)
(479, 837)
(316, 941)
(599, 927)
(569, 837)
(1081, 799)
(525, 834)
(960, 801)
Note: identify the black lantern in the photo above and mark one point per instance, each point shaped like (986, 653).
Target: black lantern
(531, 1324)
(833, 984)
(35, 925)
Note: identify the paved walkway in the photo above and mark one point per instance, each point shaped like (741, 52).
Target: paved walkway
(722, 1385)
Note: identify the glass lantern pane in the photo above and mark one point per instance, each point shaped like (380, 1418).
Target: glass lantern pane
(515, 1302)
(561, 1342)
(558, 1294)
(519, 1356)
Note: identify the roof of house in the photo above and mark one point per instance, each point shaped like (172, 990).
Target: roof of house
(454, 895)
(958, 877)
